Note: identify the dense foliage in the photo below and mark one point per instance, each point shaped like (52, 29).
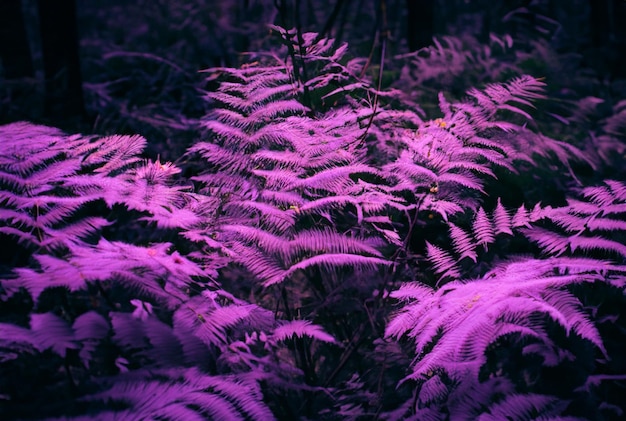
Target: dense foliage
(441, 238)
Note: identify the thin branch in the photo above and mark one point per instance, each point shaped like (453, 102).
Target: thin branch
(384, 36)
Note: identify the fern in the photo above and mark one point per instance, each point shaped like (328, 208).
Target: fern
(453, 327)
(48, 182)
(35, 201)
(445, 161)
(199, 330)
(300, 328)
(528, 407)
(47, 331)
(149, 270)
(45, 197)
(444, 264)
(462, 242)
(254, 282)
(609, 143)
(189, 394)
(449, 58)
(482, 227)
(297, 167)
(483, 233)
(595, 224)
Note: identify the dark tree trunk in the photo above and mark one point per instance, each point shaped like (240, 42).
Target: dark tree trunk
(14, 47)
(619, 38)
(599, 21)
(608, 35)
(59, 45)
(420, 23)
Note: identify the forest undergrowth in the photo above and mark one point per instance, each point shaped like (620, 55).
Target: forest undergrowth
(426, 236)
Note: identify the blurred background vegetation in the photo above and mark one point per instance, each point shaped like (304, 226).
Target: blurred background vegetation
(134, 66)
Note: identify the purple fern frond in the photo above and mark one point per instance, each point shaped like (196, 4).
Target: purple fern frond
(453, 326)
(300, 328)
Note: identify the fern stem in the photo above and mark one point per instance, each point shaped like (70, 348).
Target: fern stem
(330, 21)
(414, 404)
(285, 298)
(104, 294)
(370, 56)
(305, 361)
(383, 34)
(379, 388)
(38, 229)
(70, 377)
(353, 345)
(306, 95)
(389, 276)
(280, 6)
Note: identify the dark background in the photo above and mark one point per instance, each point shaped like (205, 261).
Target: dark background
(132, 66)
(125, 67)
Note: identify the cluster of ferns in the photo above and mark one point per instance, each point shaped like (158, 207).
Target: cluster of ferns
(324, 250)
